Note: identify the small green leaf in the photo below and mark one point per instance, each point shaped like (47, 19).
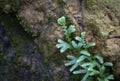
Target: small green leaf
(85, 64)
(90, 44)
(81, 40)
(70, 30)
(99, 58)
(110, 77)
(83, 34)
(108, 64)
(99, 79)
(70, 63)
(62, 45)
(62, 21)
(80, 44)
(81, 58)
(90, 68)
(97, 64)
(79, 71)
(74, 67)
(102, 69)
(106, 79)
(78, 38)
(94, 72)
(85, 77)
(85, 52)
(71, 57)
(74, 44)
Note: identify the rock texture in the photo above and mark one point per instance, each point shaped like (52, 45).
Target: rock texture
(38, 18)
(37, 57)
(102, 18)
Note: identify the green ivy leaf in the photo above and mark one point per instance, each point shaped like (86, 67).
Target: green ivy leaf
(62, 21)
(79, 71)
(62, 45)
(85, 52)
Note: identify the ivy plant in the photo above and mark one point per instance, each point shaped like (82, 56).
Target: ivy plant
(91, 66)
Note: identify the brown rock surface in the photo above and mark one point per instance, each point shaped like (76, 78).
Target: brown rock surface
(101, 20)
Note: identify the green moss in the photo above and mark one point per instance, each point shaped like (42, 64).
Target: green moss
(9, 5)
(45, 46)
(114, 5)
(25, 26)
(101, 19)
(91, 4)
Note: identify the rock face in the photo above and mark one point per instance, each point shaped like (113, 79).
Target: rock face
(38, 18)
(35, 58)
(102, 18)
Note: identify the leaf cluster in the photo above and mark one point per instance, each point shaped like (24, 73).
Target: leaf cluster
(91, 66)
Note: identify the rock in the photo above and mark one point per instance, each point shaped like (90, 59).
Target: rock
(37, 55)
(101, 20)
